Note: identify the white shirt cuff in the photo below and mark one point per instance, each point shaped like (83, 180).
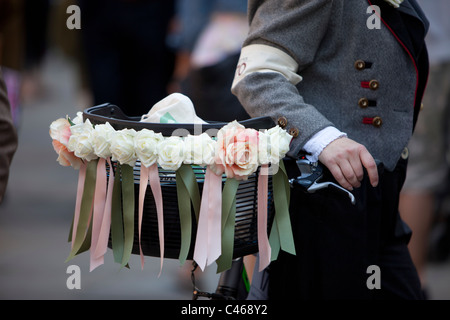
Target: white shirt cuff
(320, 140)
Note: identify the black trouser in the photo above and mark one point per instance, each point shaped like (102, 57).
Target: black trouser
(336, 242)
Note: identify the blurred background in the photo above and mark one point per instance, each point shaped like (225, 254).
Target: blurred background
(130, 53)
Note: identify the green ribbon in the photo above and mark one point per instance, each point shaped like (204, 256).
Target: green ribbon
(228, 224)
(128, 211)
(122, 214)
(83, 234)
(281, 236)
(187, 193)
(116, 217)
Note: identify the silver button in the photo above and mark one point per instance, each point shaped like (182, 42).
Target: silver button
(405, 153)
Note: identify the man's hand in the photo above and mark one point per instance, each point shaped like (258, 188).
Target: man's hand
(345, 159)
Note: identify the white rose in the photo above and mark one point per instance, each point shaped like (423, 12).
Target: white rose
(122, 147)
(80, 141)
(101, 140)
(279, 141)
(145, 144)
(78, 118)
(171, 153)
(199, 150)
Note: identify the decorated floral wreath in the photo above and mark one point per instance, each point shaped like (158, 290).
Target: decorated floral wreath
(235, 154)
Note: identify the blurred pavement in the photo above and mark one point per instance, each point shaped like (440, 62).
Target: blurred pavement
(37, 212)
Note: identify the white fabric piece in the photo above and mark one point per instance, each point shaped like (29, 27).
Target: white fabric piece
(175, 108)
(264, 58)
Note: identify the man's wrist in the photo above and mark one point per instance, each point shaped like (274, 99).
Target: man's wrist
(320, 140)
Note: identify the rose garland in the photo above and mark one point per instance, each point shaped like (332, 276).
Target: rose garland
(236, 153)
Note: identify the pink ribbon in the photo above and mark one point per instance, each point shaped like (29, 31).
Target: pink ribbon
(99, 209)
(142, 188)
(263, 240)
(157, 194)
(80, 189)
(100, 245)
(208, 244)
(151, 174)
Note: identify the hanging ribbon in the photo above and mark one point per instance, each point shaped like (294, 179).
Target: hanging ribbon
(263, 240)
(153, 177)
(281, 233)
(187, 194)
(81, 227)
(102, 243)
(143, 183)
(208, 242)
(228, 221)
(128, 212)
(151, 174)
(117, 240)
(99, 208)
(80, 190)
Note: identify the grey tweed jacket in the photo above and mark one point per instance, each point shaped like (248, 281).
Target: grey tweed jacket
(363, 81)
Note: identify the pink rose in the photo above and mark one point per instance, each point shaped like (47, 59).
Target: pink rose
(65, 157)
(60, 131)
(237, 151)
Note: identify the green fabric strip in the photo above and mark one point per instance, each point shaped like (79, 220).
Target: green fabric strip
(128, 212)
(228, 224)
(282, 222)
(69, 239)
(116, 218)
(187, 193)
(184, 209)
(85, 209)
(274, 241)
(87, 241)
(190, 181)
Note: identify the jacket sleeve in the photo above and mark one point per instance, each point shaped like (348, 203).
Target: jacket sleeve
(283, 40)
(8, 138)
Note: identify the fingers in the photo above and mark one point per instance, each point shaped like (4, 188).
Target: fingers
(339, 176)
(352, 172)
(346, 160)
(369, 163)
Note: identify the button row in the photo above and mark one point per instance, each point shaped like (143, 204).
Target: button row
(364, 102)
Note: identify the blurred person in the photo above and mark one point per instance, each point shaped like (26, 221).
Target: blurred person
(36, 16)
(127, 58)
(210, 39)
(12, 51)
(8, 138)
(427, 169)
(315, 67)
(68, 42)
